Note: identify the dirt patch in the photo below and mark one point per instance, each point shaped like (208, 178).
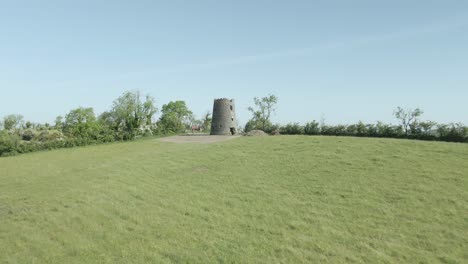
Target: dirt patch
(200, 170)
(205, 139)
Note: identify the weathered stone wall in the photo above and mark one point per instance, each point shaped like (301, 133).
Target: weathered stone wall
(224, 120)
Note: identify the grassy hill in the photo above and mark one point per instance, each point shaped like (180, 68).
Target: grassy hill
(288, 199)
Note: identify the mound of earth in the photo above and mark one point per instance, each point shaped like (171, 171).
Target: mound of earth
(256, 133)
(275, 133)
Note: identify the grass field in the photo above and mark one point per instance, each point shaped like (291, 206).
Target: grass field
(286, 199)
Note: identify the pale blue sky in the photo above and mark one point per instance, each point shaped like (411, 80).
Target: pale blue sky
(343, 60)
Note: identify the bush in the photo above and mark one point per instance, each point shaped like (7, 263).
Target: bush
(312, 128)
(272, 128)
(9, 143)
(386, 130)
(422, 130)
(292, 129)
(249, 126)
(452, 132)
(339, 130)
(170, 124)
(28, 135)
(49, 135)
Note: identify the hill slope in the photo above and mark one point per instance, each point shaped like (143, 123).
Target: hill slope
(258, 200)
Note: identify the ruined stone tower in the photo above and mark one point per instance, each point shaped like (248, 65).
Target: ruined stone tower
(224, 120)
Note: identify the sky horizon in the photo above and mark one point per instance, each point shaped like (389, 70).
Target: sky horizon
(341, 61)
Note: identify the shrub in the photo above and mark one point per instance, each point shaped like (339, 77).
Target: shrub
(27, 135)
(452, 132)
(272, 128)
(9, 143)
(292, 129)
(312, 128)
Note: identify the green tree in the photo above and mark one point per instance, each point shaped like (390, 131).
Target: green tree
(28, 125)
(251, 125)
(129, 113)
(108, 120)
(12, 121)
(207, 121)
(173, 116)
(264, 108)
(178, 108)
(81, 123)
(408, 118)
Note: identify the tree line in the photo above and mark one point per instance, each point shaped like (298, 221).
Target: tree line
(131, 116)
(410, 125)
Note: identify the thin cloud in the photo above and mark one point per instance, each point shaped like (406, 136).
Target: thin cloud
(457, 23)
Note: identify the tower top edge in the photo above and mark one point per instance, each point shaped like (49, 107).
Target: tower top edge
(224, 99)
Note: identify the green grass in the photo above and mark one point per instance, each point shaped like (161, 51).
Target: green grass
(288, 199)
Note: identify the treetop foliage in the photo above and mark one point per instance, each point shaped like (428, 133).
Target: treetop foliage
(174, 116)
(264, 108)
(12, 121)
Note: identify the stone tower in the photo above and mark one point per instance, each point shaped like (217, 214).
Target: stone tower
(224, 120)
